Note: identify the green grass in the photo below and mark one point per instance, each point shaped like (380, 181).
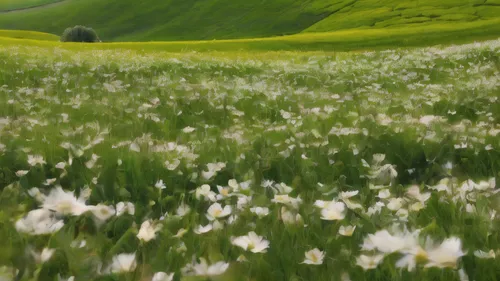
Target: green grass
(373, 13)
(108, 124)
(154, 20)
(344, 40)
(9, 5)
(32, 35)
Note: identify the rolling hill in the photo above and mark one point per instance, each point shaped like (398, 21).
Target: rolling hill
(154, 20)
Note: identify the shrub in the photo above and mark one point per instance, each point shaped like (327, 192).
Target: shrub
(79, 33)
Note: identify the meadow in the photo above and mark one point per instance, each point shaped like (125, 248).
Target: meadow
(127, 163)
(166, 20)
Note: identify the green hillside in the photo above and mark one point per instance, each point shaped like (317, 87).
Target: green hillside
(8, 5)
(132, 20)
(342, 40)
(21, 34)
(393, 13)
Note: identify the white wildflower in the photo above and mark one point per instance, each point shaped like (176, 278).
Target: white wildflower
(314, 256)
(251, 242)
(346, 230)
(123, 263)
(215, 211)
(163, 276)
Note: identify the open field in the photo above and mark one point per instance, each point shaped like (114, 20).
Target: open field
(155, 20)
(344, 40)
(32, 35)
(118, 161)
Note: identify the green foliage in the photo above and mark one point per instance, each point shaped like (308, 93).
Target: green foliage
(79, 34)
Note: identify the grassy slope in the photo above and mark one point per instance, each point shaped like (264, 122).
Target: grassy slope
(21, 34)
(343, 40)
(131, 20)
(173, 19)
(394, 13)
(6, 5)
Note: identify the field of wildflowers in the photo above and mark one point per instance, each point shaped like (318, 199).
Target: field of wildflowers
(121, 165)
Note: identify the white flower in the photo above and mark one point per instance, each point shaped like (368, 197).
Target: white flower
(39, 222)
(395, 204)
(183, 210)
(90, 164)
(427, 119)
(172, 165)
(43, 256)
(384, 194)
(35, 193)
(34, 160)
(181, 233)
(160, 185)
(233, 184)
(267, 183)
(224, 192)
(213, 168)
(50, 181)
(241, 258)
(369, 262)
(215, 211)
(378, 158)
(134, 147)
(412, 256)
(123, 263)
(385, 242)
(205, 191)
(260, 211)
(314, 256)
(71, 278)
(188, 130)
(125, 207)
(346, 197)
(64, 202)
(243, 202)
(78, 243)
(283, 199)
(348, 194)
(462, 275)
(163, 276)
(414, 192)
(290, 217)
(282, 188)
(333, 211)
(287, 200)
(203, 229)
(203, 269)
(384, 175)
(446, 254)
(251, 242)
(148, 231)
(102, 212)
(46, 254)
(208, 175)
(60, 165)
(346, 230)
(483, 255)
(22, 173)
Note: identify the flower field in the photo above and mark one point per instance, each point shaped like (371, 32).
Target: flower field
(129, 165)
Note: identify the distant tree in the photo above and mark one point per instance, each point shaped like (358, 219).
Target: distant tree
(80, 33)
